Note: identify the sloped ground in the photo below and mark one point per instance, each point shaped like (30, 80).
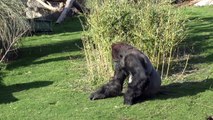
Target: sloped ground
(41, 84)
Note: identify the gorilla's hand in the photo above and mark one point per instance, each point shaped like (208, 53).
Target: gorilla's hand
(96, 95)
(128, 100)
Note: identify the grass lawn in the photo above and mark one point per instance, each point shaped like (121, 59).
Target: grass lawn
(42, 84)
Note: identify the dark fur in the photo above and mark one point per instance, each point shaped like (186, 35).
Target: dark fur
(130, 61)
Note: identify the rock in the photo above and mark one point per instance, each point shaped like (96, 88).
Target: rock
(204, 3)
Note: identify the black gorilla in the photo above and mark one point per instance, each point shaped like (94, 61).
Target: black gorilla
(144, 81)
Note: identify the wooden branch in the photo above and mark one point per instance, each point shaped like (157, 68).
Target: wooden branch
(67, 8)
(78, 6)
(49, 6)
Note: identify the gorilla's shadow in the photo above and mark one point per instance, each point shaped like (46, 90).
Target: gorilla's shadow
(6, 92)
(177, 90)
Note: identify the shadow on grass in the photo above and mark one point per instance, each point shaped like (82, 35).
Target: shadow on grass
(59, 59)
(197, 43)
(176, 90)
(6, 92)
(71, 24)
(200, 35)
(30, 54)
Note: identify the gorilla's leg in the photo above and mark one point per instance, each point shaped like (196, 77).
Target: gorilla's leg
(154, 84)
(139, 79)
(135, 90)
(111, 89)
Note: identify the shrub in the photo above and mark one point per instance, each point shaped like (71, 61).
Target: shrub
(12, 25)
(156, 28)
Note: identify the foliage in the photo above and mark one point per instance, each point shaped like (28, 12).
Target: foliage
(156, 28)
(12, 25)
(56, 58)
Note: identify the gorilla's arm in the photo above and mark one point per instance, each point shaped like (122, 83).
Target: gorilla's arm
(112, 88)
(139, 79)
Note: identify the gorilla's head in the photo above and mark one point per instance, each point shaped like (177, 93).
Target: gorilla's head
(119, 50)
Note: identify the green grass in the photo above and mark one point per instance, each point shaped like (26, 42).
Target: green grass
(42, 84)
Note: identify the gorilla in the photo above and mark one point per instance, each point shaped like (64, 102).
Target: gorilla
(144, 81)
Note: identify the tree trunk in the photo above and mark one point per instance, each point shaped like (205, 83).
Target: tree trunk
(67, 8)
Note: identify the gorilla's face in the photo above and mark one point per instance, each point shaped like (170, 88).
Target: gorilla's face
(119, 51)
(118, 55)
(115, 55)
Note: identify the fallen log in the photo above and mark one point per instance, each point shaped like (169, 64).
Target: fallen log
(67, 8)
